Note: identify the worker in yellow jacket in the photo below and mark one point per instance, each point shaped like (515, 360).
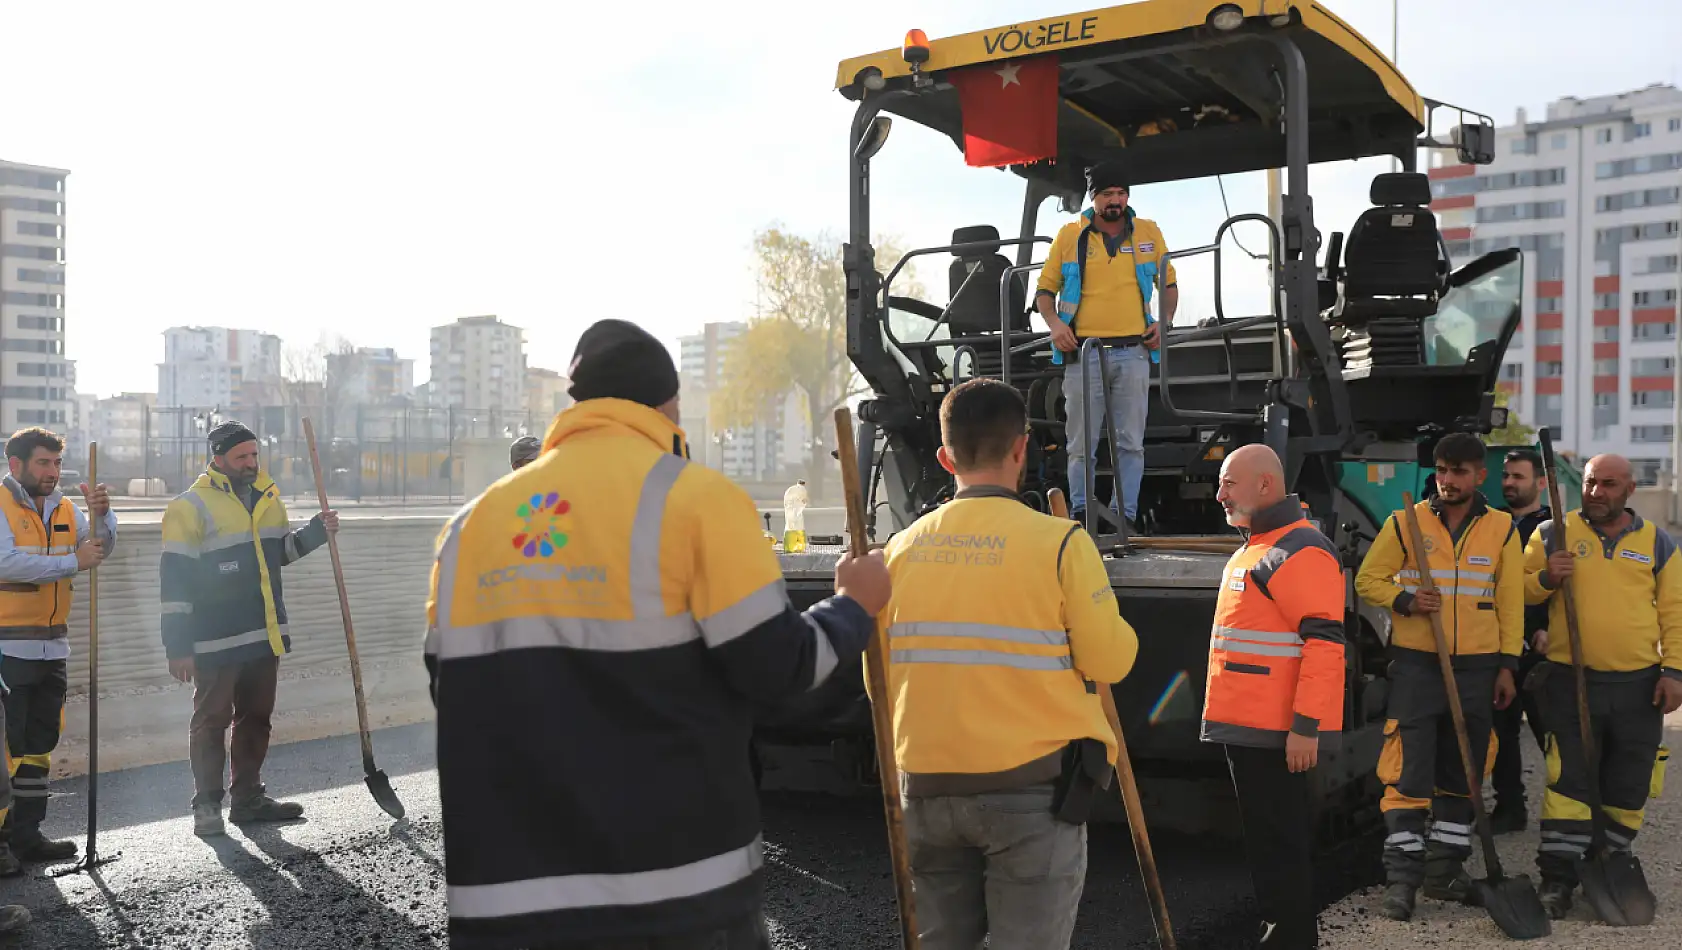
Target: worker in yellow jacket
(1002, 628)
(1628, 591)
(1478, 570)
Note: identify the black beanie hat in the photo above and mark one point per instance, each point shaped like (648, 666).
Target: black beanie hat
(620, 360)
(1104, 175)
(227, 435)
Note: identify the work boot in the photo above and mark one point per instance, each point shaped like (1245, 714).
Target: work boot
(28, 844)
(10, 866)
(1508, 817)
(1455, 889)
(264, 808)
(1078, 515)
(13, 918)
(1556, 898)
(207, 820)
(1398, 901)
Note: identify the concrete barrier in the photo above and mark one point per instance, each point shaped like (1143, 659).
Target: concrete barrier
(387, 563)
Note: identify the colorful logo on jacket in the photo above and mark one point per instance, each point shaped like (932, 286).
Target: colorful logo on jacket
(1582, 549)
(544, 531)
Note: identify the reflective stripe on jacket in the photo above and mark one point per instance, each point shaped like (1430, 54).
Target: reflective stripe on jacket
(219, 573)
(1628, 591)
(603, 623)
(1001, 623)
(1480, 576)
(1276, 658)
(30, 611)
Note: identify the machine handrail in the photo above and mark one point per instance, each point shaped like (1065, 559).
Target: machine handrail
(1222, 328)
(887, 284)
(1005, 350)
(957, 358)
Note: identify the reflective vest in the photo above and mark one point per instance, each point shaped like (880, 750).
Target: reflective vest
(1276, 659)
(1001, 626)
(1480, 578)
(602, 625)
(219, 571)
(36, 611)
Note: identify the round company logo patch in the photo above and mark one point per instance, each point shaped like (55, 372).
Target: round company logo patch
(1582, 549)
(543, 532)
(1430, 544)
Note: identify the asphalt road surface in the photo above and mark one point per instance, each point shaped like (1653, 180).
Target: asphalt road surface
(347, 876)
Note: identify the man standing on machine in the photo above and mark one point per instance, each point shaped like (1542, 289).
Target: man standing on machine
(1478, 568)
(1098, 280)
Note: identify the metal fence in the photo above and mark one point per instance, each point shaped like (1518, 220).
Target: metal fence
(366, 451)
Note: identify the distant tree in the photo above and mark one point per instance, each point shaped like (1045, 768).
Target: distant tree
(798, 339)
(1515, 432)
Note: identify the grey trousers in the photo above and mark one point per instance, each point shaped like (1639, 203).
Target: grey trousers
(995, 868)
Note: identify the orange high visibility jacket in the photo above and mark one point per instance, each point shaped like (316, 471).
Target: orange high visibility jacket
(1276, 659)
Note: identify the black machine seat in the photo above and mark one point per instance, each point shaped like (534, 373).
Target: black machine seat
(1394, 265)
(975, 299)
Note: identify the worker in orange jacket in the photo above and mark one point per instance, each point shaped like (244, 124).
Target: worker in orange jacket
(1275, 683)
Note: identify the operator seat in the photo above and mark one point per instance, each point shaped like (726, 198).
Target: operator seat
(1394, 274)
(1393, 261)
(975, 300)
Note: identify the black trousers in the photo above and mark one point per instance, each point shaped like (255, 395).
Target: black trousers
(1627, 730)
(1508, 778)
(34, 719)
(1278, 821)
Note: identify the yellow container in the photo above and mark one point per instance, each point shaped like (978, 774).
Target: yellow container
(794, 541)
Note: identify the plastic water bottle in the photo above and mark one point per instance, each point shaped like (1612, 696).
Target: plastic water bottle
(794, 517)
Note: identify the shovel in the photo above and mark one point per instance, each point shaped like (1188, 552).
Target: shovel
(378, 784)
(881, 712)
(1511, 901)
(1613, 882)
(1128, 787)
(92, 859)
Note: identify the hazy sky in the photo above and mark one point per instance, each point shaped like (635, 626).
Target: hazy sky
(377, 168)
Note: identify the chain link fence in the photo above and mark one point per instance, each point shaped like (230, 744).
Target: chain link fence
(367, 452)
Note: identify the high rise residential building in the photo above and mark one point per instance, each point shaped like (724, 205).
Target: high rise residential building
(120, 425)
(751, 453)
(1591, 194)
(478, 363)
(218, 367)
(371, 376)
(546, 394)
(34, 389)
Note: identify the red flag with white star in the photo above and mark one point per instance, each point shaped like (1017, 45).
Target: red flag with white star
(1009, 111)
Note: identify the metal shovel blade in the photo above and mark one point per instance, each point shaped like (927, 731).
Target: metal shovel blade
(1616, 888)
(380, 787)
(1513, 905)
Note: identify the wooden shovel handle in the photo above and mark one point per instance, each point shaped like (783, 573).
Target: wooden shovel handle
(344, 604)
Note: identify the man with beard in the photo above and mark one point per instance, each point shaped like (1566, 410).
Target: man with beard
(1523, 485)
(1004, 628)
(224, 625)
(44, 542)
(1098, 279)
(1628, 591)
(1275, 684)
(1477, 567)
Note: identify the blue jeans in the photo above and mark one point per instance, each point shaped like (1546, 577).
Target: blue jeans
(1130, 387)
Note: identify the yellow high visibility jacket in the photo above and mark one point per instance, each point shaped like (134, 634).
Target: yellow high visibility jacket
(219, 572)
(1480, 575)
(603, 624)
(1628, 591)
(36, 610)
(1001, 629)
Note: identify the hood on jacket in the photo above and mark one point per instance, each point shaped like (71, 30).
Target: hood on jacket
(622, 415)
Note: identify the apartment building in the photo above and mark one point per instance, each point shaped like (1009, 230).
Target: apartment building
(122, 425)
(371, 376)
(34, 389)
(1592, 194)
(218, 367)
(753, 453)
(478, 363)
(546, 394)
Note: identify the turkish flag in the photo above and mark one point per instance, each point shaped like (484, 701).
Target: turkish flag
(1009, 111)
